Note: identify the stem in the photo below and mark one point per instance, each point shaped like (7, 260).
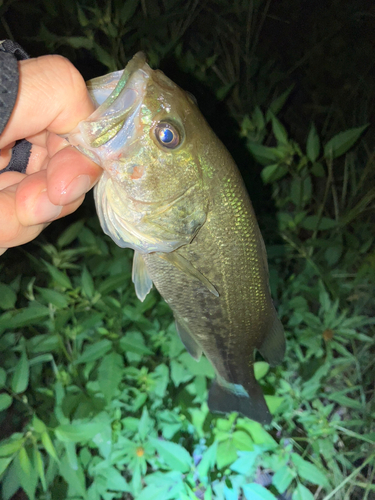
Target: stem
(353, 474)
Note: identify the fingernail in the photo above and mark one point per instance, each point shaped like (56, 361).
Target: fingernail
(79, 186)
(45, 211)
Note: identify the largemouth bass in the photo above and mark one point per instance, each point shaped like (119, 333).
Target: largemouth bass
(171, 191)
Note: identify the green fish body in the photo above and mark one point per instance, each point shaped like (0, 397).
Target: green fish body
(171, 191)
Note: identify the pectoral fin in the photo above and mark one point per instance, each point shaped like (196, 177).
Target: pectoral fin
(140, 277)
(192, 347)
(186, 267)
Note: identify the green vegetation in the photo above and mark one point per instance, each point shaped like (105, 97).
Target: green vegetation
(98, 397)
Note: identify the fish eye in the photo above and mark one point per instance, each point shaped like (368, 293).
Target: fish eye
(167, 135)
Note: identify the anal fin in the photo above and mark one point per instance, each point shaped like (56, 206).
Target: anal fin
(273, 347)
(140, 277)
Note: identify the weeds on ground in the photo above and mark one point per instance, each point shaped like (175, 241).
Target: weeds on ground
(98, 398)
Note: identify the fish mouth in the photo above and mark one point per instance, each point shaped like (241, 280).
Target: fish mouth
(108, 131)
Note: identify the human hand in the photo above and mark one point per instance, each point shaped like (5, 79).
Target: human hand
(52, 99)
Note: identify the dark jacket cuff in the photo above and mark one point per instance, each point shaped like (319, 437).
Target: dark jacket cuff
(10, 54)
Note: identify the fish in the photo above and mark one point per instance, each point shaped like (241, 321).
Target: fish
(171, 191)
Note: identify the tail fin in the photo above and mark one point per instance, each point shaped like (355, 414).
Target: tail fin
(233, 397)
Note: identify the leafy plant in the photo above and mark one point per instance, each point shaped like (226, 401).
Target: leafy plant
(98, 398)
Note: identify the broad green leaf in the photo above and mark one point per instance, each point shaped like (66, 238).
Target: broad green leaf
(3, 377)
(71, 455)
(260, 369)
(48, 445)
(10, 446)
(156, 492)
(38, 462)
(309, 471)
(53, 297)
(242, 441)
(279, 130)
(273, 173)
(226, 453)
(74, 476)
(88, 287)
(70, 234)
(4, 462)
(130, 344)
(25, 317)
(179, 373)
(255, 491)
(146, 424)
(202, 367)
(24, 461)
(300, 191)
(128, 9)
(115, 480)
(273, 402)
(110, 373)
(9, 483)
(258, 118)
(345, 401)
(318, 170)
(282, 478)
(313, 144)
(277, 104)
(208, 461)
(78, 42)
(245, 463)
(302, 493)
(94, 351)
(42, 343)
(28, 481)
(223, 91)
(8, 297)
(263, 154)
(104, 57)
(38, 424)
(174, 455)
(20, 379)
(113, 282)
(257, 432)
(58, 276)
(5, 401)
(77, 433)
(342, 142)
(312, 222)
(230, 494)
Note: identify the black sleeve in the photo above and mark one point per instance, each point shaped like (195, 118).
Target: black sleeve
(10, 54)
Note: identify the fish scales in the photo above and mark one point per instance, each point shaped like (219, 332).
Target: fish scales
(171, 191)
(228, 251)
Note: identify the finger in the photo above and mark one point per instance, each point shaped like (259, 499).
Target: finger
(52, 95)
(70, 174)
(33, 205)
(38, 159)
(10, 178)
(12, 233)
